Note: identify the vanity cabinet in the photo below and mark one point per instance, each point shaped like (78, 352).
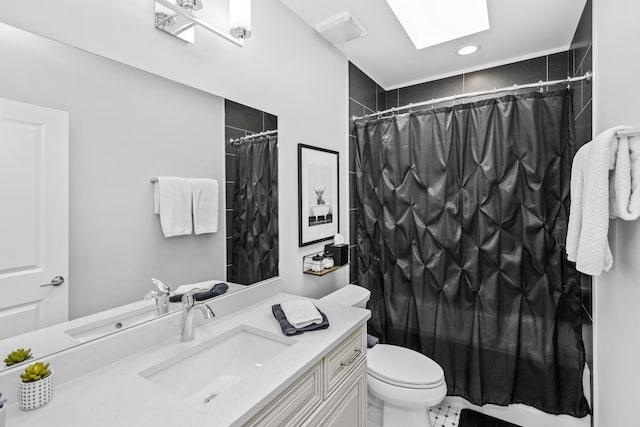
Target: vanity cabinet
(332, 393)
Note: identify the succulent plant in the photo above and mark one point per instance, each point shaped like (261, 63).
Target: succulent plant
(17, 356)
(35, 372)
(2, 401)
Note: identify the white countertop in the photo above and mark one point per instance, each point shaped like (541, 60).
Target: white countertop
(116, 395)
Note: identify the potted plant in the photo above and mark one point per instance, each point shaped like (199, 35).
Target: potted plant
(17, 356)
(3, 411)
(36, 388)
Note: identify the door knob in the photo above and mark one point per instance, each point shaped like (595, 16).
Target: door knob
(56, 281)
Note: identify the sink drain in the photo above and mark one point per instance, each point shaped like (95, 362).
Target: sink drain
(210, 397)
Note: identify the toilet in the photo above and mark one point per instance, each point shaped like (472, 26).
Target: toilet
(402, 384)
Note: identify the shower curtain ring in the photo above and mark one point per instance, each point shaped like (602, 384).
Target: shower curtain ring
(568, 82)
(541, 86)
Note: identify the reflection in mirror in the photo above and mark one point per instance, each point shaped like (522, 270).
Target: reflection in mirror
(251, 160)
(125, 126)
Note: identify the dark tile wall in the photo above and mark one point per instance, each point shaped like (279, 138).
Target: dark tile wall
(365, 96)
(580, 63)
(239, 120)
(548, 67)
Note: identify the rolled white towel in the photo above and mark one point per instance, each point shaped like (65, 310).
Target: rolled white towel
(301, 313)
(624, 185)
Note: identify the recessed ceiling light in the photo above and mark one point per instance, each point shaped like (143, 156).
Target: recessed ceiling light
(468, 50)
(431, 22)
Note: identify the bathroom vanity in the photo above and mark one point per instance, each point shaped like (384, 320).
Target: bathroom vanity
(332, 393)
(239, 370)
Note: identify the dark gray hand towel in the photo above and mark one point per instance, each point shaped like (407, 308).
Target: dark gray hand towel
(288, 329)
(214, 291)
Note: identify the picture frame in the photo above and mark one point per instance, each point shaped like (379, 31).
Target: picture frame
(318, 194)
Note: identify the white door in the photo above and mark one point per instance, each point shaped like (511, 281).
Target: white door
(34, 217)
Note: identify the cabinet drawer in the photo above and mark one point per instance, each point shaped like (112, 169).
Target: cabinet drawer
(342, 361)
(295, 404)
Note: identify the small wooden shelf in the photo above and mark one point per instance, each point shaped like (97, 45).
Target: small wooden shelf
(325, 271)
(307, 264)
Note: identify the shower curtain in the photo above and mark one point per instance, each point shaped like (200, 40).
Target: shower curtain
(255, 212)
(462, 217)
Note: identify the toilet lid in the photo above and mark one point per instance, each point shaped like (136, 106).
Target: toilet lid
(403, 367)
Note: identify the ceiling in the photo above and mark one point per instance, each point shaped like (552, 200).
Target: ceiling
(520, 29)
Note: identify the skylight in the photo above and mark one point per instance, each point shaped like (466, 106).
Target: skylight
(431, 22)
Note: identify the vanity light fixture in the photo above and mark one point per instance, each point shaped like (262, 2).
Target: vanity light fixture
(468, 50)
(229, 19)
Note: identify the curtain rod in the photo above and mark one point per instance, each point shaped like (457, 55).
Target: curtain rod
(236, 141)
(587, 76)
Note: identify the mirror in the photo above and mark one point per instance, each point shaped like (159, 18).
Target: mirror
(126, 126)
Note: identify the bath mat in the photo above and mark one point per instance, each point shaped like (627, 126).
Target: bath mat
(470, 418)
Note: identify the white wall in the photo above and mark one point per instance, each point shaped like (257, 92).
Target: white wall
(616, 294)
(285, 69)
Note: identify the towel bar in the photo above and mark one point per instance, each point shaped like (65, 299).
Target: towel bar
(630, 132)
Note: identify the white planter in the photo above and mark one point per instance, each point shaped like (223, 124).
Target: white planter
(3, 416)
(36, 394)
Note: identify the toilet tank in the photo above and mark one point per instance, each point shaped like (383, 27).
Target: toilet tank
(353, 295)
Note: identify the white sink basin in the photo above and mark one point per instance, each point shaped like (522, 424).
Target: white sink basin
(112, 324)
(203, 372)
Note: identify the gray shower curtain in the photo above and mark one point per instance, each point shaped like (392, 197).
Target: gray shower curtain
(255, 211)
(462, 218)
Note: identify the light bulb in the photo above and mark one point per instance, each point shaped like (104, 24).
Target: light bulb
(240, 18)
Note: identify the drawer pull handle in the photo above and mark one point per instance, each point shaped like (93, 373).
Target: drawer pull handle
(355, 356)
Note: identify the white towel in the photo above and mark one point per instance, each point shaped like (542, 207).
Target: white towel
(591, 190)
(301, 313)
(172, 201)
(205, 205)
(624, 188)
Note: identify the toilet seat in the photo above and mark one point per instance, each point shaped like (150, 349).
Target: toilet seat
(403, 367)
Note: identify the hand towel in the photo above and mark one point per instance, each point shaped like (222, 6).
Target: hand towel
(301, 313)
(587, 242)
(206, 293)
(172, 201)
(289, 330)
(624, 188)
(205, 205)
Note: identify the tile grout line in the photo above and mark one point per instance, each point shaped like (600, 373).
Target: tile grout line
(583, 56)
(584, 107)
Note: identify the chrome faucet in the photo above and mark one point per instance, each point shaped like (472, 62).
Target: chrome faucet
(190, 309)
(161, 295)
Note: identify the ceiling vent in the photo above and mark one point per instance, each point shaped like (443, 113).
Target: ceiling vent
(341, 28)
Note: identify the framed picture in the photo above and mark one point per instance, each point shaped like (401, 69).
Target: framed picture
(318, 196)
